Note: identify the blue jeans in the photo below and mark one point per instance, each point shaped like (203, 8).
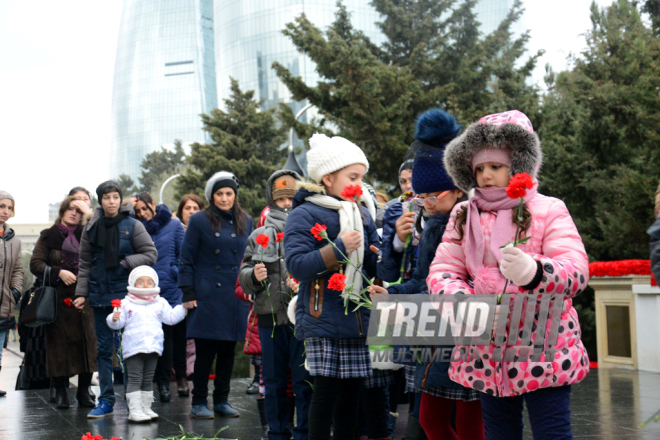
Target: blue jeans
(3, 336)
(549, 414)
(281, 352)
(104, 344)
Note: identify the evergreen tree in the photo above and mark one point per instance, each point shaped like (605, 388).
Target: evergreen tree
(244, 141)
(159, 165)
(127, 185)
(434, 56)
(601, 131)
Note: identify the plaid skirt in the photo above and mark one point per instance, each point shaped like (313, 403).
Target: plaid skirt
(340, 358)
(465, 394)
(380, 378)
(410, 379)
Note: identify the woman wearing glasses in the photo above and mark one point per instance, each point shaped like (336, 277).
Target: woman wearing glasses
(436, 197)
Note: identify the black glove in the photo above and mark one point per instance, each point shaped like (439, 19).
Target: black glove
(16, 293)
(188, 294)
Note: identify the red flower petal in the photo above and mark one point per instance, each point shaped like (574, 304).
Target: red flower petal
(262, 240)
(337, 282)
(318, 231)
(116, 303)
(352, 192)
(279, 236)
(67, 301)
(518, 185)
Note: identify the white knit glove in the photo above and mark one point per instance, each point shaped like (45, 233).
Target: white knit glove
(517, 266)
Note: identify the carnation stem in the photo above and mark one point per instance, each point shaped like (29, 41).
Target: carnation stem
(515, 244)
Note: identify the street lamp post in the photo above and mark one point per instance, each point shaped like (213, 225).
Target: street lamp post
(162, 188)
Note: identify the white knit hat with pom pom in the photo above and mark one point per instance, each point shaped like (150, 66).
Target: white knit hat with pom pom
(330, 154)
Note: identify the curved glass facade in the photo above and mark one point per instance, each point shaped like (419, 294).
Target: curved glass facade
(164, 78)
(249, 39)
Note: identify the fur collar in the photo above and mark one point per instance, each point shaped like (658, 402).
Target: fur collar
(163, 217)
(526, 154)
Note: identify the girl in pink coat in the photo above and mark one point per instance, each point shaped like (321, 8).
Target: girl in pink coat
(553, 261)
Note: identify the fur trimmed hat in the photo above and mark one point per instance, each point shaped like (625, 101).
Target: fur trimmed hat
(435, 128)
(221, 179)
(330, 154)
(510, 130)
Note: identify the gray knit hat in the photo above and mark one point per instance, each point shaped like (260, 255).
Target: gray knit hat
(6, 195)
(221, 179)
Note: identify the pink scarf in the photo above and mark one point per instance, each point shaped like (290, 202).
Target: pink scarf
(143, 296)
(494, 200)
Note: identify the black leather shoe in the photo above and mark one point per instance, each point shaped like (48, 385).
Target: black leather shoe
(164, 391)
(84, 399)
(182, 387)
(62, 398)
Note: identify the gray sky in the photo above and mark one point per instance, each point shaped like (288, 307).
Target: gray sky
(56, 89)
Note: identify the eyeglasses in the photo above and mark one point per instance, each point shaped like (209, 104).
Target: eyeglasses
(432, 200)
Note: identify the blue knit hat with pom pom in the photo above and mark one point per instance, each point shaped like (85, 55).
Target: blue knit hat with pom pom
(435, 129)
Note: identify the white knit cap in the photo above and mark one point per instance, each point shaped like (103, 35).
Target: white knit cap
(327, 155)
(142, 271)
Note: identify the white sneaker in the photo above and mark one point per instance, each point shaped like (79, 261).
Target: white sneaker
(136, 413)
(147, 399)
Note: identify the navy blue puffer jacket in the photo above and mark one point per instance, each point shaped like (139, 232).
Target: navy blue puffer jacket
(389, 266)
(167, 234)
(327, 317)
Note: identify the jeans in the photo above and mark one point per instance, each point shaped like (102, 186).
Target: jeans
(3, 337)
(549, 414)
(281, 352)
(207, 350)
(104, 343)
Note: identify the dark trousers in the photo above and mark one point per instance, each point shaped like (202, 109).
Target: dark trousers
(374, 402)
(336, 397)
(174, 354)
(207, 351)
(104, 343)
(283, 352)
(549, 414)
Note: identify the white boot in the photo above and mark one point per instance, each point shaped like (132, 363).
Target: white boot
(147, 399)
(136, 413)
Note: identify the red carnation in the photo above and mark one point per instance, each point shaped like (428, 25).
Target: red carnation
(337, 282)
(518, 185)
(116, 303)
(318, 231)
(262, 239)
(295, 280)
(279, 236)
(67, 301)
(352, 192)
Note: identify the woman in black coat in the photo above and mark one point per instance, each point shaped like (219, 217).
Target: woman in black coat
(210, 261)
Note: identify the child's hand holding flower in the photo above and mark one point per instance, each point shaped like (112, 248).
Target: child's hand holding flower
(517, 266)
(115, 316)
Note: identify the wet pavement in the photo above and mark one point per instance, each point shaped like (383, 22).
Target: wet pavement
(609, 404)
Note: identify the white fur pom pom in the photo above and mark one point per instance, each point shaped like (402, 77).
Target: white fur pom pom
(318, 140)
(291, 310)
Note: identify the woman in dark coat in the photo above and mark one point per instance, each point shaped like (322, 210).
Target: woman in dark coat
(167, 234)
(210, 261)
(71, 339)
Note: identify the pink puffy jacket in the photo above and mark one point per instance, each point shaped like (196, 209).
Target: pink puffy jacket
(556, 243)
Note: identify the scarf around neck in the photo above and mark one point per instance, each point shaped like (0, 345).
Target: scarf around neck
(349, 220)
(70, 252)
(143, 296)
(504, 230)
(105, 233)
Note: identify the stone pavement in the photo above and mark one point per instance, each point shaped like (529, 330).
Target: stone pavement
(609, 404)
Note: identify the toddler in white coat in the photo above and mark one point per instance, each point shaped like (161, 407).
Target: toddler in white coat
(141, 315)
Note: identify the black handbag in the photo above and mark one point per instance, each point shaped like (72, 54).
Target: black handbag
(39, 307)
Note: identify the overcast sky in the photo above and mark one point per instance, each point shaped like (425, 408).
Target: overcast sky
(56, 71)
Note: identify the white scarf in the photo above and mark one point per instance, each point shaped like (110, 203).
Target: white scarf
(349, 220)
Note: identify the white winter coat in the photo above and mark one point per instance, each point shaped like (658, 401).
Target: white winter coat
(142, 324)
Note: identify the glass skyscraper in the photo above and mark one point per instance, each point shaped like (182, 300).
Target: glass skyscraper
(164, 78)
(248, 36)
(490, 13)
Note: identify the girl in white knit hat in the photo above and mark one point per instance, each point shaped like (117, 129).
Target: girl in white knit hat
(141, 315)
(326, 316)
